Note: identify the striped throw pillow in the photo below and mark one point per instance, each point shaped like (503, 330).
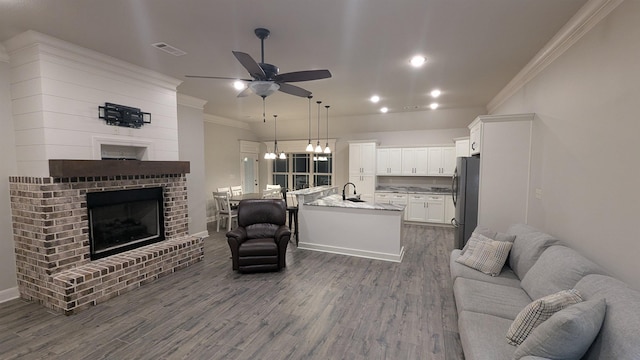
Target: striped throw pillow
(538, 311)
(485, 255)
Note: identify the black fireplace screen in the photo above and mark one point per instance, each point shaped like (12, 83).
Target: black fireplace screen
(123, 220)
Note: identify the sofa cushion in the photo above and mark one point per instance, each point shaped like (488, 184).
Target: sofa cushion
(494, 235)
(618, 337)
(558, 268)
(506, 277)
(537, 312)
(491, 299)
(482, 336)
(485, 255)
(567, 334)
(527, 247)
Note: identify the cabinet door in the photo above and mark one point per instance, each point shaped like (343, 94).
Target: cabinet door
(435, 208)
(449, 209)
(448, 161)
(434, 162)
(367, 185)
(354, 159)
(395, 161)
(381, 198)
(382, 162)
(368, 158)
(462, 148)
(408, 161)
(474, 139)
(417, 208)
(421, 161)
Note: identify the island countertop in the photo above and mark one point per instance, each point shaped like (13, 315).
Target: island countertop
(311, 191)
(335, 200)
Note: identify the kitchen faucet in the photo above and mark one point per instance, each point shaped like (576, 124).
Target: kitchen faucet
(345, 186)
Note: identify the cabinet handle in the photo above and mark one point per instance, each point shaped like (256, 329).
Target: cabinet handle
(473, 145)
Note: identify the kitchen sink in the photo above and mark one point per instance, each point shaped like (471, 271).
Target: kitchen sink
(355, 200)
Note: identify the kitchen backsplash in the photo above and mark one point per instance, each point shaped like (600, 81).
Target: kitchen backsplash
(422, 181)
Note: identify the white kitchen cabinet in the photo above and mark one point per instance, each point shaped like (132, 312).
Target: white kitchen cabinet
(441, 161)
(365, 186)
(435, 208)
(392, 198)
(417, 207)
(449, 209)
(362, 158)
(414, 161)
(389, 161)
(475, 131)
(504, 142)
(462, 147)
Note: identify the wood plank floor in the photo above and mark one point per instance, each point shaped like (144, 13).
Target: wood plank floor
(322, 306)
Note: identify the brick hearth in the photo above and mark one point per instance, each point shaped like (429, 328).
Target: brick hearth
(51, 234)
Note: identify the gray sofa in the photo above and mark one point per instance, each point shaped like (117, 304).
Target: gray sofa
(540, 265)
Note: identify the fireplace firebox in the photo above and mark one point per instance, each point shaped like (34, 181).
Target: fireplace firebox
(123, 220)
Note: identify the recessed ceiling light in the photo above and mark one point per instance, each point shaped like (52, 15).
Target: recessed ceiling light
(433, 106)
(418, 61)
(384, 110)
(239, 85)
(435, 93)
(374, 99)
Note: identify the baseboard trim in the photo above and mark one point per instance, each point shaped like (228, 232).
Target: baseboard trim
(9, 294)
(353, 252)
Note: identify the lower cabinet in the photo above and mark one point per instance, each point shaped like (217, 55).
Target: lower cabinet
(393, 198)
(425, 208)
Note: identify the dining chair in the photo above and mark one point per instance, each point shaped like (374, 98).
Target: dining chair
(225, 189)
(291, 202)
(223, 209)
(236, 190)
(271, 187)
(272, 194)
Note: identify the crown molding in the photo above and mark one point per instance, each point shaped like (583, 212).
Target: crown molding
(589, 15)
(226, 122)
(191, 101)
(4, 55)
(68, 51)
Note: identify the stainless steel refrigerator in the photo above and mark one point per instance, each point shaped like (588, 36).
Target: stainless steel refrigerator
(464, 188)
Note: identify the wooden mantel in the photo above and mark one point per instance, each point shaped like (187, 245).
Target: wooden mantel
(85, 168)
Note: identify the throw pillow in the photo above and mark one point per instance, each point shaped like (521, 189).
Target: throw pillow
(537, 312)
(485, 255)
(567, 334)
(493, 235)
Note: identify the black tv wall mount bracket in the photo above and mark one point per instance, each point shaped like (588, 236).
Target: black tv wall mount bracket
(120, 115)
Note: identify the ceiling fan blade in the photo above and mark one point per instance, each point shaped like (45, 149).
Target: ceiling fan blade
(245, 92)
(251, 65)
(306, 75)
(215, 77)
(294, 90)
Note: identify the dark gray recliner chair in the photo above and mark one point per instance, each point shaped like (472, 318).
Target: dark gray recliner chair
(259, 243)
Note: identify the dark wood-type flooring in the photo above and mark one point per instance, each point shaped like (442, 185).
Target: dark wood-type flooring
(322, 306)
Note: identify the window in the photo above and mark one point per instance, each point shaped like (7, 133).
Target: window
(300, 168)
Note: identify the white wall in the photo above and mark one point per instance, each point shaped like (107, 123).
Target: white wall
(8, 284)
(585, 154)
(56, 89)
(191, 145)
(222, 154)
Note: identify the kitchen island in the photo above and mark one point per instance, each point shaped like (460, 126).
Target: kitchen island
(363, 229)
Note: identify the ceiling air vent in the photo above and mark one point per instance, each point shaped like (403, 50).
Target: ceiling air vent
(169, 49)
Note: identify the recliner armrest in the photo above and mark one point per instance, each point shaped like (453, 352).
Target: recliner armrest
(239, 234)
(283, 231)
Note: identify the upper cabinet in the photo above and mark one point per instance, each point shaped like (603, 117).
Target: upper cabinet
(389, 161)
(441, 161)
(462, 147)
(362, 158)
(475, 132)
(414, 161)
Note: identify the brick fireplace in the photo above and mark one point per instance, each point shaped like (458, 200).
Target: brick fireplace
(51, 232)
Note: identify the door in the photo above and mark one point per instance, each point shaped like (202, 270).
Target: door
(249, 173)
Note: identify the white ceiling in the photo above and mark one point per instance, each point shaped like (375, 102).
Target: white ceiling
(474, 47)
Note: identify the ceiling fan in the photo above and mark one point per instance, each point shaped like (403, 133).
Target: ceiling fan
(265, 79)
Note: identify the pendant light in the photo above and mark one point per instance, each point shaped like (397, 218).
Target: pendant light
(318, 147)
(327, 150)
(309, 146)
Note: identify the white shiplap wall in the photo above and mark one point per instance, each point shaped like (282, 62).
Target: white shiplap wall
(56, 88)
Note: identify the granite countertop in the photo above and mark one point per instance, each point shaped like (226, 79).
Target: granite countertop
(413, 189)
(335, 200)
(309, 191)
